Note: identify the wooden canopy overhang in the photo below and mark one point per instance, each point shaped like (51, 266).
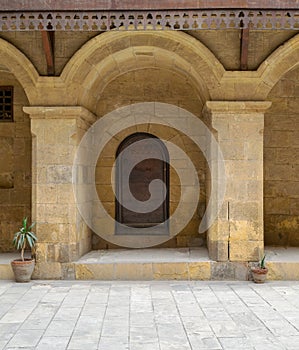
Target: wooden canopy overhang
(104, 15)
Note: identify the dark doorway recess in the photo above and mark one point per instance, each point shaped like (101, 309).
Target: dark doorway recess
(155, 165)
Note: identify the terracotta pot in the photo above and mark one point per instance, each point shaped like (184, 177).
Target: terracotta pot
(23, 269)
(259, 275)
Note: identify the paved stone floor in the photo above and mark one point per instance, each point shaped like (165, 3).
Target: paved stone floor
(149, 315)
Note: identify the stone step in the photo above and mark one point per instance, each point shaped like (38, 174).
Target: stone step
(145, 264)
(168, 264)
(282, 263)
(6, 272)
(179, 264)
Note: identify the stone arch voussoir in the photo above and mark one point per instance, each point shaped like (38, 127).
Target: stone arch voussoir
(111, 54)
(284, 59)
(20, 66)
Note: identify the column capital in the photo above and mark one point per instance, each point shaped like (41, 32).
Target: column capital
(60, 112)
(233, 107)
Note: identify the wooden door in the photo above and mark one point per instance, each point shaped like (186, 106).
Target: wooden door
(154, 166)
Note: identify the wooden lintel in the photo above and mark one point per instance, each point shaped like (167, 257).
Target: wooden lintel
(48, 45)
(244, 48)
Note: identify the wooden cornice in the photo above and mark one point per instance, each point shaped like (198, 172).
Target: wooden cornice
(96, 5)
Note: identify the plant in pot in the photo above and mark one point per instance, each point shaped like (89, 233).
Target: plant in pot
(23, 267)
(259, 273)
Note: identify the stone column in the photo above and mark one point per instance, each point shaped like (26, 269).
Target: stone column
(62, 235)
(237, 234)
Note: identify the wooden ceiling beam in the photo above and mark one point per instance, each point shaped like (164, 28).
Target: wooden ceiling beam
(244, 48)
(48, 45)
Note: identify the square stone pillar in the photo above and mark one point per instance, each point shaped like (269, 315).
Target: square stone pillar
(237, 234)
(62, 235)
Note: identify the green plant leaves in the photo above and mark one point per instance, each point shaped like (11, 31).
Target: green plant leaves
(25, 223)
(262, 263)
(24, 237)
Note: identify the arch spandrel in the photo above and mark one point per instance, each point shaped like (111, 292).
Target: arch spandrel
(256, 85)
(280, 62)
(20, 66)
(75, 85)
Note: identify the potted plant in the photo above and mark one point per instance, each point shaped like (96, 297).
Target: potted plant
(23, 268)
(259, 273)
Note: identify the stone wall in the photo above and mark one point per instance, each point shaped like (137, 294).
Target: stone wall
(30, 43)
(225, 45)
(15, 166)
(174, 68)
(237, 234)
(64, 52)
(62, 234)
(145, 86)
(281, 163)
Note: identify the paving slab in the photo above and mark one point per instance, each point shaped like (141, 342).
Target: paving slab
(139, 315)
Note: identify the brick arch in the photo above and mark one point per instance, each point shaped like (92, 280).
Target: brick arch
(20, 66)
(110, 54)
(280, 62)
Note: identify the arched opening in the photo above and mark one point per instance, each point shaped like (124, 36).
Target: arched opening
(281, 159)
(145, 158)
(15, 159)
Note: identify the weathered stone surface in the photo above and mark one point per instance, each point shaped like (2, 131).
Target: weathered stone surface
(218, 250)
(242, 122)
(62, 234)
(93, 271)
(283, 271)
(117, 69)
(15, 166)
(83, 273)
(246, 250)
(126, 89)
(166, 271)
(199, 271)
(47, 270)
(281, 159)
(134, 272)
(6, 180)
(59, 174)
(68, 271)
(229, 271)
(6, 272)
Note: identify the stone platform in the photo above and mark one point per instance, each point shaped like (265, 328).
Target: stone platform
(167, 264)
(180, 264)
(283, 263)
(145, 264)
(6, 272)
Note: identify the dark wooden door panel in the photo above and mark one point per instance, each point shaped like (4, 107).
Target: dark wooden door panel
(154, 166)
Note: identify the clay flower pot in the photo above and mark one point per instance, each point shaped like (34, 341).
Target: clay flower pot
(259, 274)
(23, 269)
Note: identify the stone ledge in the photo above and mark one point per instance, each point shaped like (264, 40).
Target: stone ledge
(59, 112)
(233, 107)
(6, 272)
(283, 264)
